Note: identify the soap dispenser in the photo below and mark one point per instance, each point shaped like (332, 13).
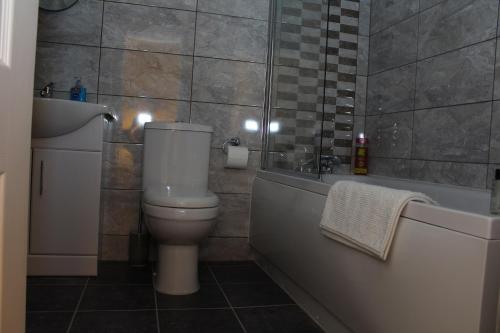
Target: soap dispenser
(78, 92)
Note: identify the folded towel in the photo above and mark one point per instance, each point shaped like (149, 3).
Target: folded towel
(365, 216)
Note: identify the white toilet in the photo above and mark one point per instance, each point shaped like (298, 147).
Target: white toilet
(178, 208)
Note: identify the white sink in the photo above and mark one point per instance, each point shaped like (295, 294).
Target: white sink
(55, 117)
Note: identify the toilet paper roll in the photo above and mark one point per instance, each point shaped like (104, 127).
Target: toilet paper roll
(237, 157)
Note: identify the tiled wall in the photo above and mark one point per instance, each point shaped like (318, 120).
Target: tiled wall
(320, 70)
(433, 100)
(200, 61)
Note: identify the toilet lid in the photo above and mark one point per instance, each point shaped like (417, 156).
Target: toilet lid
(166, 197)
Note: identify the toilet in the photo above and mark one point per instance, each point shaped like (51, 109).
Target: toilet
(179, 210)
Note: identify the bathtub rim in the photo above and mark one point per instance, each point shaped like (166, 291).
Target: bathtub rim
(470, 223)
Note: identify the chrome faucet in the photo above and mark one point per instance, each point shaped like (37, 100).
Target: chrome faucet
(47, 90)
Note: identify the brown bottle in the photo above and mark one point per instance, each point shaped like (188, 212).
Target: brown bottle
(361, 155)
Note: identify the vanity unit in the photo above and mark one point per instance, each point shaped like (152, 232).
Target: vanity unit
(65, 187)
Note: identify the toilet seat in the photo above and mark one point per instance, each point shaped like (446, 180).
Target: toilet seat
(172, 197)
(180, 214)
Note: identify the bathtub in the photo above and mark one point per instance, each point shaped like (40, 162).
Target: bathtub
(442, 274)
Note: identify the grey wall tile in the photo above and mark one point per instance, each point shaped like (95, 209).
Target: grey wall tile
(80, 24)
(363, 52)
(424, 4)
(459, 133)
(120, 211)
(224, 180)
(360, 99)
(391, 91)
(388, 12)
(389, 167)
(133, 73)
(364, 17)
(497, 72)
(495, 134)
(234, 216)
(257, 9)
(390, 134)
(231, 38)
(454, 24)
(60, 64)
(132, 112)
(178, 4)
(229, 121)
(114, 248)
(225, 249)
(462, 76)
(232, 82)
(461, 174)
(164, 30)
(394, 46)
(122, 166)
(91, 98)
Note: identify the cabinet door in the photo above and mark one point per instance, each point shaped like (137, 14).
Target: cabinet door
(65, 198)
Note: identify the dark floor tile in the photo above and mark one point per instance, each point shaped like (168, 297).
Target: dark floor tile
(57, 280)
(52, 298)
(255, 294)
(198, 321)
(247, 272)
(289, 319)
(209, 296)
(118, 272)
(118, 297)
(115, 322)
(44, 322)
(205, 275)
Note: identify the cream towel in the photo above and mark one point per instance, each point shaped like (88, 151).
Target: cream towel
(365, 216)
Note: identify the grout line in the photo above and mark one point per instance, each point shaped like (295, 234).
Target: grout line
(193, 63)
(77, 306)
(227, 299)
(185, 10)
(433, 56)
(100, 54)
(156, 300)
(412, 139)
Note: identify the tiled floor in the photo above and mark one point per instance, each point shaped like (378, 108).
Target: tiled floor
(233, 298)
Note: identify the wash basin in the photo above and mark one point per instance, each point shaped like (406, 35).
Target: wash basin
(55, 117)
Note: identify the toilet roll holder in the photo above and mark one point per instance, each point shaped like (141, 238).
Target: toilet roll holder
(232, 142)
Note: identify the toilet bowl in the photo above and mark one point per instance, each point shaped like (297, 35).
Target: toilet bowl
(179, 210)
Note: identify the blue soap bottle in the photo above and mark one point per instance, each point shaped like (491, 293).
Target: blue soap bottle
(78, 92)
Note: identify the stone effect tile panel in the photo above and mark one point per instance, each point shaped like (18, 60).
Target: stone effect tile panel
(361, 90)
(391, 134)
(257, 9)
(122, 166)
(459, 134)
(80, 24)
(460, 174)
(363, 53)
(247, 40)
(164, 30)
(120, 211)
(129, 127)
(229, 121)
(114, 248)
(176, 4)
(388, 12)
(463, 76)
(234, 216)
(62, 63)
(229, 82)
(395, 46)
(225, 249)
(454, 24)
(391, 91)
(143, 74)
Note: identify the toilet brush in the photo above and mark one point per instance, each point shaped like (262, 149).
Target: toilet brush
(138, 245)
